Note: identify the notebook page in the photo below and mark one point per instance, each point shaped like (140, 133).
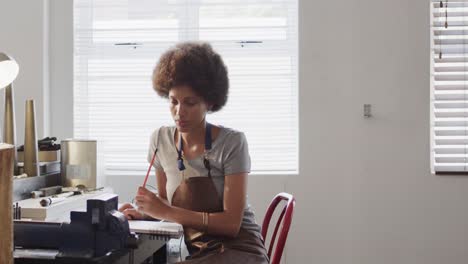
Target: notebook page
(156, 228)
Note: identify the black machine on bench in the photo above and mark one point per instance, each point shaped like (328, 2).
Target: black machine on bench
(92, 234)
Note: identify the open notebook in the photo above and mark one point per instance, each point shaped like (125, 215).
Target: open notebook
(163, 229)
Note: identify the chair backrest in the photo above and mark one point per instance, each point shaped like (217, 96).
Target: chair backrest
(285, 218)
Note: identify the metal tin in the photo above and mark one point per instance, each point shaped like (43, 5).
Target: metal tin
(81, 163)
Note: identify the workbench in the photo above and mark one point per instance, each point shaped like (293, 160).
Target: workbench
(151, 249)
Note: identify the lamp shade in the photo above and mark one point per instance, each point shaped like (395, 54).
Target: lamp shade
(8, 70)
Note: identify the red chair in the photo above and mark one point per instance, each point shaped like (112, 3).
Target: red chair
(285, 218)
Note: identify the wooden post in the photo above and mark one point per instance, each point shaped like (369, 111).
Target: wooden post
(6, 203)
(9, 126)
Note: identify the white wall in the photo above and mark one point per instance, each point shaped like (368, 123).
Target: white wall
(24, 36)
(61, 68)
(365, 193)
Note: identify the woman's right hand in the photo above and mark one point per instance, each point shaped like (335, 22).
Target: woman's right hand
(131, 212)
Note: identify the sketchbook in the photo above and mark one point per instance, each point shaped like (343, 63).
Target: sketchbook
(172, 230)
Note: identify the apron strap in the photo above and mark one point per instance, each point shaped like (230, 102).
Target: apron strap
(207, 137)
(206, 162)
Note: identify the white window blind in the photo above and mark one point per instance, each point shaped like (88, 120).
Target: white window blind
(449, 84)
(117, 44)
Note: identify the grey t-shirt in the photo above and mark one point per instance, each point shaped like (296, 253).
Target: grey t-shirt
(229, 154)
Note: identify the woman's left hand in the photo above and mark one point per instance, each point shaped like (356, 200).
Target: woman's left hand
(150, 204)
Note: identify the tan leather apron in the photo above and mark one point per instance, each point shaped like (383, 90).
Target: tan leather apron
(197, 194)
(200, 194)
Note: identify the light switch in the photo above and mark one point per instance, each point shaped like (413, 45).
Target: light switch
(367, 111)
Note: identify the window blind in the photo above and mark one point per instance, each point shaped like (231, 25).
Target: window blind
(117, 44)
(449, 83)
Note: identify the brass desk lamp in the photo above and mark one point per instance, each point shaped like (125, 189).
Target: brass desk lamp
(8, 72)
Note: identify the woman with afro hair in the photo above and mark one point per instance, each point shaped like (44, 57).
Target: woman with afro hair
(201, 168)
